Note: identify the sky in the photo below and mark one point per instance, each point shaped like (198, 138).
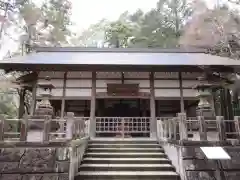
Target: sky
(109, 9)
(87, 12)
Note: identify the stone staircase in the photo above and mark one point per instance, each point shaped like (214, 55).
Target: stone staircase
(125, 160)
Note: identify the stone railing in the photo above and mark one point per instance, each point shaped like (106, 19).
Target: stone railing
(182, 138)
(196, 129)
(31, 149)
(43, 130)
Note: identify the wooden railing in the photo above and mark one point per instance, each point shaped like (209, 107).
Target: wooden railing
(184, 128)
(123, 125)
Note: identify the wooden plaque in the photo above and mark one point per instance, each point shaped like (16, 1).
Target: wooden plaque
(123, 89)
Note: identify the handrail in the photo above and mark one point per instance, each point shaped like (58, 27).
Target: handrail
(182, 128)
(43, 130)
(177, 128)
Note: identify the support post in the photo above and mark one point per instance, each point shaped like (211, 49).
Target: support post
(181, 93)
(63, 95)
(237, 126)
(34, 99)
(174, 129)
(202, 128)
(72, 157)
(24, 128)
(170, 129)
(70, 128)
(221, 128)
(2, 119)
(183, 125)
(165, 129)
(153, 122)
(21, 103)
(46, 128)
(93, 106)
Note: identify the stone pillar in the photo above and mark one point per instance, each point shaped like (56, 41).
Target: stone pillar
(34, 99)
(63, 95)
(182, 117)
(181, 93)
(21, 103)
(70, 125)
(93, 107)
(153, 122)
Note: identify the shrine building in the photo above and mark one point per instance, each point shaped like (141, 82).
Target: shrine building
(107, 84)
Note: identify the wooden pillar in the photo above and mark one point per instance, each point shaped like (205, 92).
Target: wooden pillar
(34, 98)
(63, 95)
(181, 92)
(153, 122)
(93, 106)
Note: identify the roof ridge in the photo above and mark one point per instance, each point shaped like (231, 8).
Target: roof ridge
(119, 50)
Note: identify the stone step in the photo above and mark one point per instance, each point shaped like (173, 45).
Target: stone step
(126, 167)
(165, 175)
(139, 160)
(99, 145)
(121, 141)
(125, 154)
(125, 159)
(124, 149)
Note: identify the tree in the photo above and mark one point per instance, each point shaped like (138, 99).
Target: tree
(8, 106)
(118, 34)
(56, 18)
(159, 27)
(45, 25)
(217, 30)
(92, 36)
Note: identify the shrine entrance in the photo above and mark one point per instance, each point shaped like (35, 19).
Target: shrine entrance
(123, 108)
(123, 118)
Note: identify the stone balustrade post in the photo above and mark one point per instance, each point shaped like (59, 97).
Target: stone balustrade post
(221, 128)
(169, 129)
(202, 128)
(162, 129)
(70, 128)
(182, 117)
(24, 128)
(2, 119)
(174, 123)
(237, 126)
(72, 164)
(47, 128)
(165, 129)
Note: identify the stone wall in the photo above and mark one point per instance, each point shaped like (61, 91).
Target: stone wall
(196, 160)
(27, 163)
(188, 162)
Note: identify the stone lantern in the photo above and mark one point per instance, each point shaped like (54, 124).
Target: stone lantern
(204, 93)
(44, 107)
